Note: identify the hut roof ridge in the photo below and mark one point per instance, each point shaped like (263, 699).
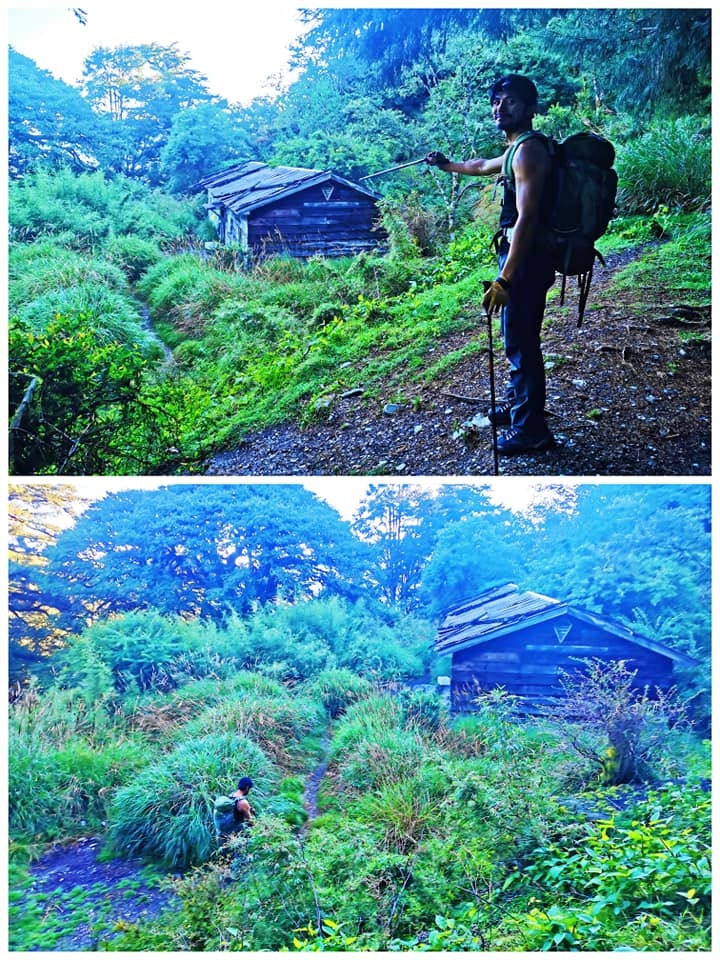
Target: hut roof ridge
(503, 609)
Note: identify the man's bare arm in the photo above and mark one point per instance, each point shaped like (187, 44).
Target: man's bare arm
(479, 167)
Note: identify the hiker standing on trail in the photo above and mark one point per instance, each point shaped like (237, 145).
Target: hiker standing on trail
(525, 272)
(242, 811)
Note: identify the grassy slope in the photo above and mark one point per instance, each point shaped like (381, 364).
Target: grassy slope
(269, 349)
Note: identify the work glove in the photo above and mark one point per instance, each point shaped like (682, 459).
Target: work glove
(436, 159)
(496, 297)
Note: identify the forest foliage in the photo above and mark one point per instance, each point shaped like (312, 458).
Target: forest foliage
(133, 351)
(231, 556)
(166, 640)
(163, 641)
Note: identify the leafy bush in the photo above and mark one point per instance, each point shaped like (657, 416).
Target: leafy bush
(134, 255)
(165, 813)
(274, 719)
(64, 760)
(288, 803)
(667, 166)
(107, 315)
(337, 689)
(298, 641)
(45, 267)
(144, 651)
(81, 414)
(187, 290)
(633, 881)
(161, 714)
(371, 747)
(424, 710)
(88, 209)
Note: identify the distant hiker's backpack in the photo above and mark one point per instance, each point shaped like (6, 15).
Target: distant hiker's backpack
(581, 204)
(223, 805)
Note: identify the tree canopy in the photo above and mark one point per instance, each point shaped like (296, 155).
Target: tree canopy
(49, 122)
(376, 76)
(638, 554)
(202, 551)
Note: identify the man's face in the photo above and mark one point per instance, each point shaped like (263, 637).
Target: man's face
(510, 113)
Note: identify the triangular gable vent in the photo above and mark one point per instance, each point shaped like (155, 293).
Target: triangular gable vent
(328, 192)
(562, 631)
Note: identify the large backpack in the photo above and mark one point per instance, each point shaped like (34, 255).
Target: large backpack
(581, 204)
(223, 805)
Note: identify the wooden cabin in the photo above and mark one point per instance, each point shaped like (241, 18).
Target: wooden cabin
(292, 211)
(521, 641)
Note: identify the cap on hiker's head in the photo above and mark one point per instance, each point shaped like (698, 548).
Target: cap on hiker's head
(244, 783)
(523, 88)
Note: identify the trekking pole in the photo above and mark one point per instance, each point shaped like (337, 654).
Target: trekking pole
(400, 166)
(493, 424)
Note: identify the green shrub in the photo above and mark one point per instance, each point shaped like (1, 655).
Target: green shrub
(275, 719)
(403, 810)
(667, 166)
(337, 689)
(165, 813)
(424, 710)
(59, 782)
(383, 655)
(88, 209)
(371, 747)
(109, 316)
(464, 931)
(186, 290)
(73, 393)
(289, 655)
(161, 715)
(134, 255)
(288, 802)
(633, 881)
(45, 267)
(327, 634)
(143, 650)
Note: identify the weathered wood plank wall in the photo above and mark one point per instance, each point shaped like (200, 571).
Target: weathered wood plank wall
(529, 664)
(307, 224)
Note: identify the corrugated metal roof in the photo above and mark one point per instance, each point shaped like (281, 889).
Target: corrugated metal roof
(247, 186)
(495, 611)
(503, 609)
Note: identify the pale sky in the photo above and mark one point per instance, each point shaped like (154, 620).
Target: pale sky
(342, 493)
(237, 47)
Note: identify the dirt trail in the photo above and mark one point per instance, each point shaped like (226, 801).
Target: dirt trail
(314, 780)
(77, 901)
(628, 394)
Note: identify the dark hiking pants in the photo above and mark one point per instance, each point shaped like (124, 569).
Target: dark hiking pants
(521, 325)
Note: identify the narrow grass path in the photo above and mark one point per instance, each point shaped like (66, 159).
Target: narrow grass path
(312, 787)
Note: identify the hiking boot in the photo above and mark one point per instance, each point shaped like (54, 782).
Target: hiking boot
(516, 441)
(500, 414)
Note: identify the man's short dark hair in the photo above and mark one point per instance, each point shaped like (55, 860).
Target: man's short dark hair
(244, 783)
(522, 87)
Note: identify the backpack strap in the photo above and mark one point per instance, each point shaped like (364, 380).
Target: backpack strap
(512, 150)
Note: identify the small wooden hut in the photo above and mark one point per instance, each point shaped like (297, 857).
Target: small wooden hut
(293, 211)
(522, 641)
